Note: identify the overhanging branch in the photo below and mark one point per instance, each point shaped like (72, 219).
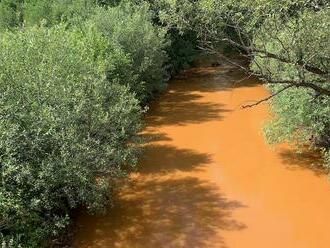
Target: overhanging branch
(302, 64)
(267, 98)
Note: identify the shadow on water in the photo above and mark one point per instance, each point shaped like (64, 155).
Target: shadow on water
(305, 158)
(179, 108)
(166, 204)
(165, 212)
(181, 105)
(183, 102)
(148, 137)
(166, 158)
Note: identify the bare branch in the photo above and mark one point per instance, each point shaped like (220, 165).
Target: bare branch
(267, 98)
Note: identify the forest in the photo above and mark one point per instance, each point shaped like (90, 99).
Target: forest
(77, 77)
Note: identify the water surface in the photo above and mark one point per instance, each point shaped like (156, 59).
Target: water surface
(208, 179)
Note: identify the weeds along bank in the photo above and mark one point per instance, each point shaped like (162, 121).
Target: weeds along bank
(73, 78)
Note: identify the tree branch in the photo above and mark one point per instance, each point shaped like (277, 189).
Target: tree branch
(266, 79)
(297, 84)
(267, 98)
(302, 64)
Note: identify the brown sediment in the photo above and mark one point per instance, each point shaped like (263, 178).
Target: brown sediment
(208, 179)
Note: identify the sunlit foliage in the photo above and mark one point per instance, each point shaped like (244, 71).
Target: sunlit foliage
(73, 82)
(287, 43)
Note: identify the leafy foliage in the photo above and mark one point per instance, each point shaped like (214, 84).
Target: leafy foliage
(70, 109)
(299, 114)
(131, 30)
(66, 131)
(182, 44)
(288, 45)
(73, 76)
(19, 13)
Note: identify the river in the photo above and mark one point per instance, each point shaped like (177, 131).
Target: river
(208, 178)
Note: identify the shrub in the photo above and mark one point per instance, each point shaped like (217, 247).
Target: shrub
(53, 12)
(19, 13)
(131, 29)
(73, 76)
(66, 131)
(300, 114)
(9, 14)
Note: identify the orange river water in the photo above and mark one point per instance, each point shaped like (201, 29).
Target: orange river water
(208, 178)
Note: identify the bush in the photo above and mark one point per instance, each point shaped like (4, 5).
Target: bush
(52, 12)
(9, 14)
(182, 50)
(23, 13)
(73, 76)
(66, 130)
(300, 114)
(130, 28)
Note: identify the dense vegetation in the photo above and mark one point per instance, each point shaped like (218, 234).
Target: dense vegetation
(287, 43)
(75, 77)
(64, 126)
(72, 96)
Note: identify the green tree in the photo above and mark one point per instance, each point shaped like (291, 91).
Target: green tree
(131, 29)
(66, 131)
(287, 43)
